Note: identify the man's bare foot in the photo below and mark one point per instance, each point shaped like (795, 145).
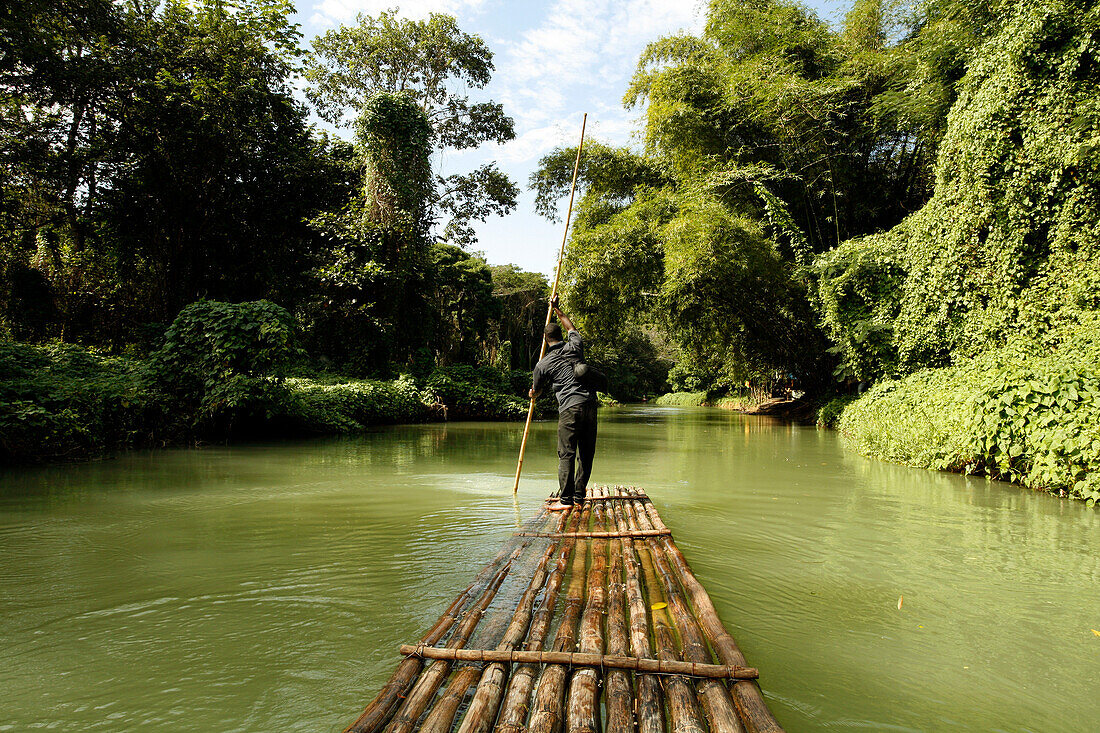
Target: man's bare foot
(557, 506)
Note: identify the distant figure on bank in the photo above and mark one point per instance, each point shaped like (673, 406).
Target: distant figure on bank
(576, 408)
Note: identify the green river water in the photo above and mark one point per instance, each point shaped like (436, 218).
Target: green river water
(267, 587)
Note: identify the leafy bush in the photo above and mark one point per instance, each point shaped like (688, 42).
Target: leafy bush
(1011, 414)
(219, 358)
(1039, 424)
(60, 402)
(682, 399)
(828, 415)
(342, 406)
(483, 393)
(921, 420)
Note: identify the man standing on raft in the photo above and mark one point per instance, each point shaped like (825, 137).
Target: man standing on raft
(576, 408)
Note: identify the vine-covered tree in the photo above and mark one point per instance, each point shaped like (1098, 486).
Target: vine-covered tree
(434, 62)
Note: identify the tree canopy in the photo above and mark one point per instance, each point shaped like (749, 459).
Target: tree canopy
(155, 155)
(433, 62)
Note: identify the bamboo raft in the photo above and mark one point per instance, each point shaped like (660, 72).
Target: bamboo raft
(637, 645)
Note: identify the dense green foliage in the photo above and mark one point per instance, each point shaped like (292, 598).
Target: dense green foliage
(910, 197)
(220, 358)
(471, 392)
(831, 409)
(769, 138)
(158, 169)
(63, 402)
(153, 155)
(220, 374)
(1008, 245)
(995, 283)
(523, 297)
(1017, 416)
(908, 201)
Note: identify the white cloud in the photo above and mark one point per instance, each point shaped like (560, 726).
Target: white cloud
(530, 145)
(581, 56)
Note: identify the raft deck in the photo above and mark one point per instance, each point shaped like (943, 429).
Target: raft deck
(579, 608)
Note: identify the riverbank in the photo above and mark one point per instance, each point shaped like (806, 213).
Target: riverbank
(64, 403)
(1026, 418)
(796, 410)
(1023, 418)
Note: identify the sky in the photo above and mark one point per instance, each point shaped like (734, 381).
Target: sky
(555, 61)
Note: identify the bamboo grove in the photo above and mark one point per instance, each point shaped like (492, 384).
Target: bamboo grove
(905, 200)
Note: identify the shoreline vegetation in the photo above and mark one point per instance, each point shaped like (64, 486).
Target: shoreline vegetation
(900, 211)
(66, 403)
(63, 402)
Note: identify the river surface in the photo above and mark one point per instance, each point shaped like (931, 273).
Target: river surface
(267, 587)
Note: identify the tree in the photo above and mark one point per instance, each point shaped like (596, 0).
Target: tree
(769, 138)
(523, 297)
(219, 170)
(158, 156)
(56, 76)
(463, 304)
(431, 61)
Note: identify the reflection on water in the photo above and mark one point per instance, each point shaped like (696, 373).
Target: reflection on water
(267, 587)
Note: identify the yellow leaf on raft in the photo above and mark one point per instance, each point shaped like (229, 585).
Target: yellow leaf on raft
(659, 606)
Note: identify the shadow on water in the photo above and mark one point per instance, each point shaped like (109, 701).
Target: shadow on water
(268, 586)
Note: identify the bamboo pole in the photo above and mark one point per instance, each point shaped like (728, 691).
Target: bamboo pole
(429, 682)
(599, 533)
(619, 695)
(650, 708)
(746, 694)
(647, 665)
(546, 710)
(609, 497)
(513, 711)
(442, 714)
(713, 695)
(490, 687)
(553, 293)
(683, 708)
(583, 708)
(381, 708)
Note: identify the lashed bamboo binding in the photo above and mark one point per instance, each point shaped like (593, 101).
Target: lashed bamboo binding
(634, 629)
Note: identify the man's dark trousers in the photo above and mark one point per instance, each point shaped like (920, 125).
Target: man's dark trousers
(576, 445)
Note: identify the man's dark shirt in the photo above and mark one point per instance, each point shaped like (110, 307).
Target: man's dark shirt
(556, 368)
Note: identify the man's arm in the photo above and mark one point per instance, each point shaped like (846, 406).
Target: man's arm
(565, 322)
(536, 382)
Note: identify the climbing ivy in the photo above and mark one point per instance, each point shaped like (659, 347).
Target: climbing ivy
(1008, 243)
(989, 296)
(396, 140)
